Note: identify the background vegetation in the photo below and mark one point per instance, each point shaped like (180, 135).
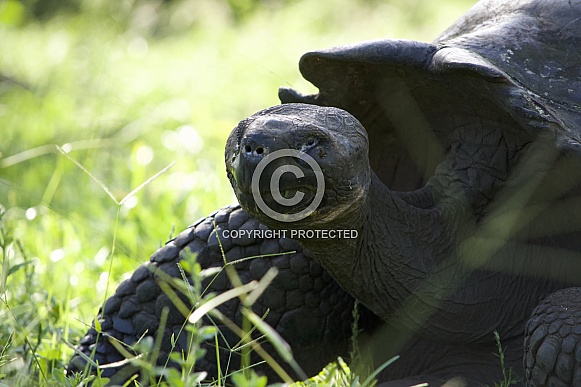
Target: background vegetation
(126, 87)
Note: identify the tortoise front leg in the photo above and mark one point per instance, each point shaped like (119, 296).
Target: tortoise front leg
(303, 303)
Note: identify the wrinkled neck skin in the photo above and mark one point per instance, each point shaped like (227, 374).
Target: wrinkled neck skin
(402, 239)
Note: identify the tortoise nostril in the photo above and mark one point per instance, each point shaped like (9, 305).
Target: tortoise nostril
(253, 149)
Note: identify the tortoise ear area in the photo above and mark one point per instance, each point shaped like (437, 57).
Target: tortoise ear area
(456, 60)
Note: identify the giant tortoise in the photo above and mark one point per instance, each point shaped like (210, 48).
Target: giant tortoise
(446, 184)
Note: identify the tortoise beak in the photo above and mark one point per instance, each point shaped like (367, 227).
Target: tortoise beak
(254, 169)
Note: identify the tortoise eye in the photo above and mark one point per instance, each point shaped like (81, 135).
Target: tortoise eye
(311, 142)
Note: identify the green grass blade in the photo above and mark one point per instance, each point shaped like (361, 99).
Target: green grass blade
(371, 378)
(220, 299)
(146, 182)
(82, 167)
(279, 344)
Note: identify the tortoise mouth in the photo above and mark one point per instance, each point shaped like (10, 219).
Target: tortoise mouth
(269, 192)
(252, 184)
(255, 200)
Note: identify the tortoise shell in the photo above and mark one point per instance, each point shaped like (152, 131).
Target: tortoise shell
(518, 61)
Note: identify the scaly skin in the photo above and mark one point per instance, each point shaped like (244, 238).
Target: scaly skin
(553, 341)
(304, 304)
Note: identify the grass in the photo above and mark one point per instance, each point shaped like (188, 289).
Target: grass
(126, 89)
(508, 378)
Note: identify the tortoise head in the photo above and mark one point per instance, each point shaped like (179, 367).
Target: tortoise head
(299, 164)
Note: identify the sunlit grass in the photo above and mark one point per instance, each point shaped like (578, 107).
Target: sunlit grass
(126, 89)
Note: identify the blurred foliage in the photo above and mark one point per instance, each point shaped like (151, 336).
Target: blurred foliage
(126, 87)
(25, 11)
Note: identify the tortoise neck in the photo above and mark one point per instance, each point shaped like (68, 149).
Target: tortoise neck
(398, 245)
